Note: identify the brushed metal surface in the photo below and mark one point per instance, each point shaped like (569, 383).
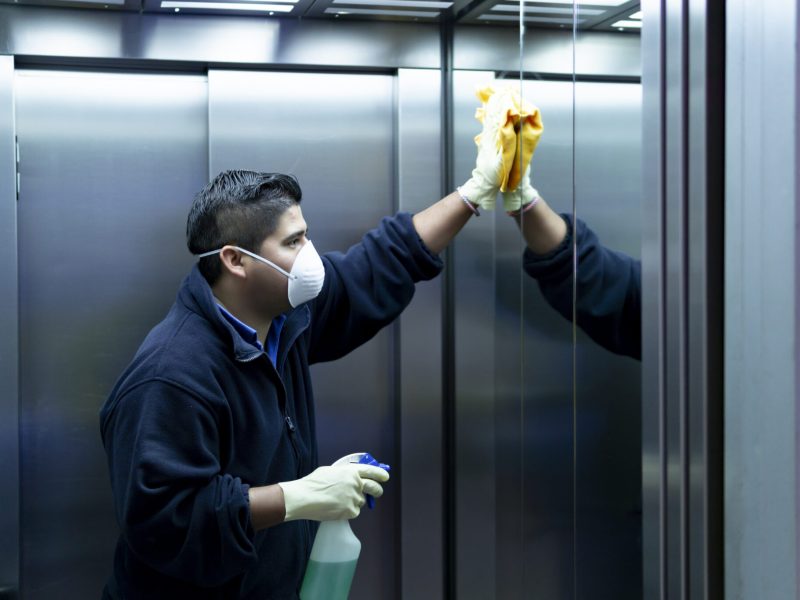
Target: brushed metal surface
(335, 133)
(547, 51)
(109, 164)
(9, 341)
(474, 264)
(608, 197)
(86, 34)
(420, 472)
(653, 286)
(762, 296)
(682, 300)
(547, 410)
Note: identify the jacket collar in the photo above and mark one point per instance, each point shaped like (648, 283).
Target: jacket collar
(196, 295)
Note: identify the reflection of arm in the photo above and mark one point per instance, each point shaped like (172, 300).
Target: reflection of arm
(368, 286)
(542, 228)
(609, 283)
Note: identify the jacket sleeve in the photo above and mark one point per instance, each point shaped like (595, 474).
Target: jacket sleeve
(367, 287)
(609, 291)
(178, 512)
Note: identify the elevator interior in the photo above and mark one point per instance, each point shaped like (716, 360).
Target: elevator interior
(515, 440)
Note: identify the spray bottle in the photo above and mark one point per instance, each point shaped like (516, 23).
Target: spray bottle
(336, 549)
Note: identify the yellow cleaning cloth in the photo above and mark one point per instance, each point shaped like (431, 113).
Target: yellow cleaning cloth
(519, 127)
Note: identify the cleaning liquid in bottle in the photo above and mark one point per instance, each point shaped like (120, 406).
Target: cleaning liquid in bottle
(336, 549)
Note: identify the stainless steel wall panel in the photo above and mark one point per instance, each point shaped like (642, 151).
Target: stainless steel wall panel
(9, 341)
(682, 300)
(335, 132)
(675, 257)
(547, 415)
(35, 30)
(608, 179)
(420, 474)
(109, 165)
(546, 51)
(63, 33)
(705, 231)
(608, 196)
(474, 298)
(653, 283)
(762, 301)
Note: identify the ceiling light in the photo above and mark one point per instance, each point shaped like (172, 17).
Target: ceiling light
(592, 2)
(631, 24)
(391, 13)
(116, 2)
(412, 4)
(490, 17)
(545, 10)
(251, 6)
(636, 15)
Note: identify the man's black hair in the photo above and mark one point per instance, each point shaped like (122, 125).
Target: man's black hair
(240, 208)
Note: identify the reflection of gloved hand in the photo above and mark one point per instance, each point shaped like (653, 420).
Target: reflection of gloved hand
(523, 196)
(483, 185)
(332, 493)
(511, 131)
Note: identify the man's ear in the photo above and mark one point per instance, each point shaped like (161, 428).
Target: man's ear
(232, 262)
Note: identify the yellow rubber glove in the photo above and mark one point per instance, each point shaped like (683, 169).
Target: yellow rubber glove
(332, 493)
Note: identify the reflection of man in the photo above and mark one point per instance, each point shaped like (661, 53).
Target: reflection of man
(609, 283)
(210, 431)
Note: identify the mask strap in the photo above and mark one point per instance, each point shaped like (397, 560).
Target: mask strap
(252, 255)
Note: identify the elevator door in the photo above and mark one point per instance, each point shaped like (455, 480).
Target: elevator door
(109, 163)
(335, 133)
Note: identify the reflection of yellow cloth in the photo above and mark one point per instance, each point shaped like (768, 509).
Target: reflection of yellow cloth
(518, 125)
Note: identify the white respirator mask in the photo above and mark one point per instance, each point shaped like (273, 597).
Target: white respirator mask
(305, 278)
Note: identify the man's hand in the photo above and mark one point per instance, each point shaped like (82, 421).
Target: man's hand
(332, 493)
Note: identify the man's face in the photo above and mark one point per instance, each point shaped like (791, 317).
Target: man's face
(269, 286)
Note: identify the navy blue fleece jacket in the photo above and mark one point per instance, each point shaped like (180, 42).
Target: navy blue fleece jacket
(200, 415)
(609, 295)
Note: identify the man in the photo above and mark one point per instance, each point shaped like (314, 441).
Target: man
(609, 283)
(210, 431)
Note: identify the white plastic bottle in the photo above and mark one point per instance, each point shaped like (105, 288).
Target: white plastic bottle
(335, 553)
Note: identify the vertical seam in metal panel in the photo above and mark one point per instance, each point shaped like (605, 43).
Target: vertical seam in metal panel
(397, 349)
(574, 321)
(715, 227)
(662, 416)
(684, 280)
(697, 165)
(208, 124)
(795, 182)
(18, 333)
(448, 324)
(521, 338)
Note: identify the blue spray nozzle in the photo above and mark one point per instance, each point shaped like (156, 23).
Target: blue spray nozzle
(368, 459)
